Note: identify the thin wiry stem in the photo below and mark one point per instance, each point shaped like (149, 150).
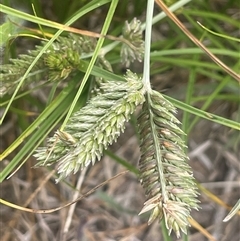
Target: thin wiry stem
(73, 206)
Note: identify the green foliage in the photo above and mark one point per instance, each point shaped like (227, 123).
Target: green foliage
(8, 30)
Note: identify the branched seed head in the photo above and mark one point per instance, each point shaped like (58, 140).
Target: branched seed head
(94, 127)
(164, 172)
(134, 50)
(60, 60)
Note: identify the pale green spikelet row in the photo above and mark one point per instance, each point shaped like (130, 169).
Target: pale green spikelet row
(11, 74)
(134, 50)
(60, 60)
(164, 173)
(94, 127)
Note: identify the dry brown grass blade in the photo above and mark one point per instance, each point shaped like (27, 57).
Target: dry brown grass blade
(66, 205)
(215, 198)
(196, 41)
(202, 230)
(128, 232)
(74, 30)
(15, 218)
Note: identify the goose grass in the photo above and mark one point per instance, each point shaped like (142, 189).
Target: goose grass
(109, 100)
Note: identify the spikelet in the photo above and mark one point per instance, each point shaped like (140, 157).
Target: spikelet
(94, 127)
(11, 74)
(164, 173)
(63, 57)
(135, 49)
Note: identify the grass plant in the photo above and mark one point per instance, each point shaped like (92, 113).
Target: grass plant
(84, 84)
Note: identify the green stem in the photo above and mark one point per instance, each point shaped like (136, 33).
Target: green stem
(162, 15)
(158, 154)
(93, 59)
(148, 33)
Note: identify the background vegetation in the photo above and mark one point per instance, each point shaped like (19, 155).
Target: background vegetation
(179, 69)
